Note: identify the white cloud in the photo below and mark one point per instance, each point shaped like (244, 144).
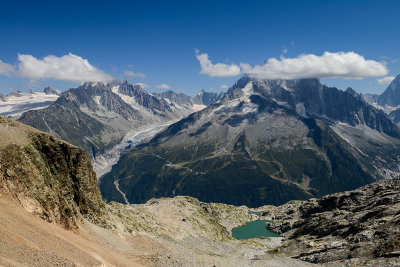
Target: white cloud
(330, 65)
(134, 74)
(342, 65)
(5, 68)
(386, 80)
(284, 51)
(163, 86)
(143, 85)
(216, 70)
(70, 68)
(224, 86)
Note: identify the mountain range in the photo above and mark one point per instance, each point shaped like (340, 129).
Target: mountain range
(105, 118)
(264, 142)
(389, 100)
(16, 103)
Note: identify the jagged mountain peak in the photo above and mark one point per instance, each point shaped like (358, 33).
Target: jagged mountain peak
(311, 99)
(395, 84)
(98, 115)
(266, 85)
(352, 92)
(391, 96)
(51, 91)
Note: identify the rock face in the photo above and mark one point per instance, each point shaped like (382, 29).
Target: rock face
(50, 91)
(265, 142)
(370, 98)
(362, 223)
(391, 96)
(49, 177)
(202, 98)
(207, 98)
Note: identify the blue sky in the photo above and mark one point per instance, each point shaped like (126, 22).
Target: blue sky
(159, 38)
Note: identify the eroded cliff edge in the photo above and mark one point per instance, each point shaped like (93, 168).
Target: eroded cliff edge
(49, 177)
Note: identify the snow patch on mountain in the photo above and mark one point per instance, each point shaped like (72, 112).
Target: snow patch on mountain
(97, 99)
(16, 104)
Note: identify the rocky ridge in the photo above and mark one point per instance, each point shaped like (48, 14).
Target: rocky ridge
(50, 178)
(362, 224)
(391, 96)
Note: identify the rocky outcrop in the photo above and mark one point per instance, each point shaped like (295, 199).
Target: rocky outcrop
(179, 217)
(370, 98)
(50, 178)
(363, 223)
(207, 98)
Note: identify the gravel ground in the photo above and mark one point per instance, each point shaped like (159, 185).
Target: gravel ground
(26, 240)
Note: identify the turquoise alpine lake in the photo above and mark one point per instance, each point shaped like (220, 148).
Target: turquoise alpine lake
(253, 229)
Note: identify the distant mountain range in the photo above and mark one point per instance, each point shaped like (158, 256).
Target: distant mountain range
(202, 98)
(389, 100)
(16, 103)
(264, 142)
(105, 118)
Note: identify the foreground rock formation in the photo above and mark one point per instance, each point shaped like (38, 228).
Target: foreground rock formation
(363, 224)
(49, 177)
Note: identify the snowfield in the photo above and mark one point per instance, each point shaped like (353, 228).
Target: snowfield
(15, 105)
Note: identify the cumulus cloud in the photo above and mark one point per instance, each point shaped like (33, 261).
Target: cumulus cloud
(330, 65)
(216, 70)
(134, 74)
(224, 86)
(143, 85)
(163, 86)
(5, 68)
(342, 65)
(386, 80)
(70, 68)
